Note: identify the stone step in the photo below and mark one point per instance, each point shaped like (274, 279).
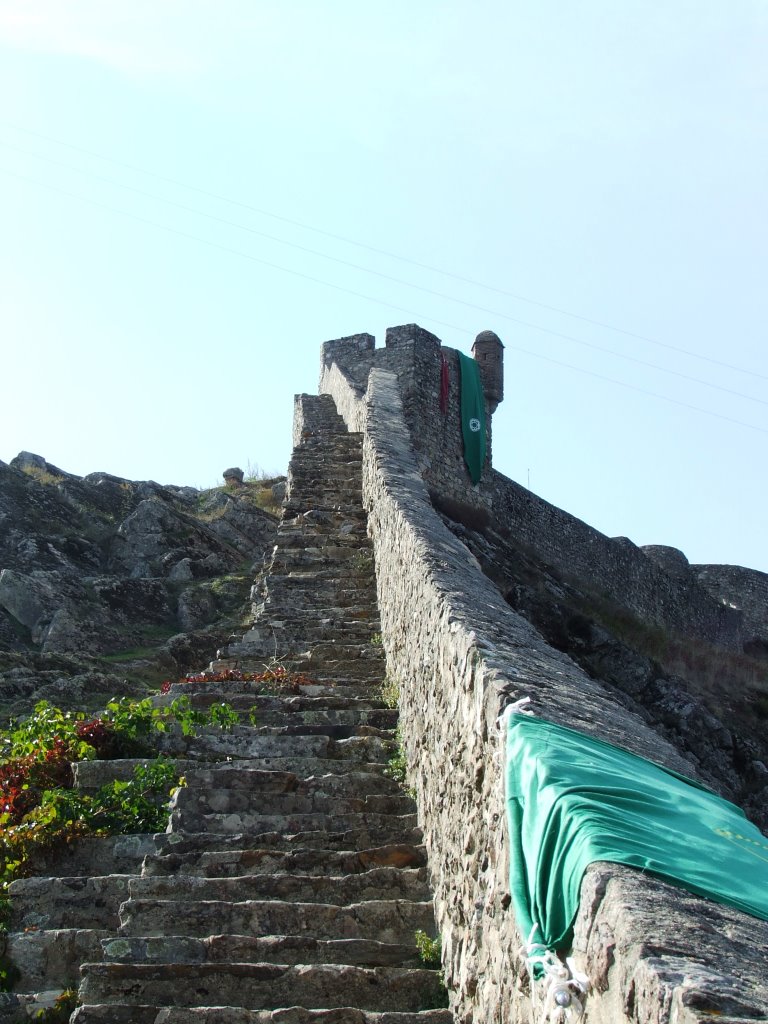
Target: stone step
(351, 840)
(250, 821)
(377, 718)
(242, 741)
(374, 884)
(308, 618)
(76, 902)
(245, 742)
(279, 688)
(338, 732)
(327, 554)
(305, 800)
(307, 536)
(90, 775)
(258, 783)
(212, 693)
(262, 986)
(94, 855)
(385, 920)
(123, 1014)
(112, 1013)
(232, 863)
(248, 949)
(45, 957)
(343, 506)
(273, 714)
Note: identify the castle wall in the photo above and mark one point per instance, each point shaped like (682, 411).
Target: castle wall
(619, 569)
(459, 653)
(627, 576)
(747, 589)
(414, 355)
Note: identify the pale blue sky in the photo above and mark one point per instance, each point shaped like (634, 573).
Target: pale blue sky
(160, 161)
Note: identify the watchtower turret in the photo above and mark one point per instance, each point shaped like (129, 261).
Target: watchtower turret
(488, 352)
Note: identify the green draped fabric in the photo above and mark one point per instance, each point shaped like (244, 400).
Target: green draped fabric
(472, 416)
(572, 800)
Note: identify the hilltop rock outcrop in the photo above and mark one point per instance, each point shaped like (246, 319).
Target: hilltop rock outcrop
(99, 571)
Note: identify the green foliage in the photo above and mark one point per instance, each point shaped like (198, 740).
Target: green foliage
(224, 716)
(62, 1009)
(40, 809)
(390, 692)
(397, 766)
(429, 950)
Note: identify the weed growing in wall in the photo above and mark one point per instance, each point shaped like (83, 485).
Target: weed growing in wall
(429, 950)
(390, 692)
(397, 766)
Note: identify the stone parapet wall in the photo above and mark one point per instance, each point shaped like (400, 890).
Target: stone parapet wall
(458, 653)
(615, 567)
(747, 589)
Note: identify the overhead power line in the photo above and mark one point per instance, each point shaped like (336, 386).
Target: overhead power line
(388, 277)
(368, 298)
(392, 255)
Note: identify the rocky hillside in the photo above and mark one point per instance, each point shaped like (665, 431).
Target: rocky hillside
(110, 585)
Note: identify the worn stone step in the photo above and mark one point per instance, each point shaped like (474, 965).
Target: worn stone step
(262, 986)
(342, 505)
(211, 693)
(378, 718)
(256, 783)
(303, 800)
(352, 623)
(299, 727)
(384, 920)
(90, 775)
(76, 902)
(252, 743)
(51, 958)
(307, 536)
(94, 855)
(242, 741)
(230, 863)
(278, 688)
(249, 949)
(375, 884)
(111, 1013)
(251, 821)
(354, 840)
(311, 711)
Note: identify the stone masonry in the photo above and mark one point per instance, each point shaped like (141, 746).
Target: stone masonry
(654, 954)
(291, 881)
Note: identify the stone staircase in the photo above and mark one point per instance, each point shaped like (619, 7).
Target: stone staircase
(291, 881)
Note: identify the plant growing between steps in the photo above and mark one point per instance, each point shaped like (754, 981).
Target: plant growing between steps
(397, 766)
(39, 806)
(276, 678)
(429, 950)
(390, 692)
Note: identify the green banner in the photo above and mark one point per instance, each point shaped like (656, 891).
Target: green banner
(572, 800)
(472, 416)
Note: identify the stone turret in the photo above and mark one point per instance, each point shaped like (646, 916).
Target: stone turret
(488, 352)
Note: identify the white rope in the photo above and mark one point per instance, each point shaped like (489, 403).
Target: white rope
(520, 707)
(562, 1001)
